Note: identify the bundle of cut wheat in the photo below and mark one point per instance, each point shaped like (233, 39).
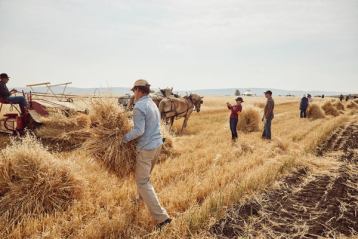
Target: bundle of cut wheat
(339, 105)
(168, 149)
(106, 141)
(249, 120)
(60, 122)
(329, 109)
(64, 133)
(33, 182)
(352, 105)
(82, 121)
(63, 141)
(315, 112)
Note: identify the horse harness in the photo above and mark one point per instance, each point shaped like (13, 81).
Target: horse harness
(172, 106)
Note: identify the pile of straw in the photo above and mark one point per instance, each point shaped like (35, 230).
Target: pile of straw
(329, 109)
(352, 105)
(249, 120)
(105, 143)
(168, 149)
(60, 122)
(4, 140)
(33, 182)
(83, 121)
(64, 133)
(339, 105)
(315, 112)
(259, 105)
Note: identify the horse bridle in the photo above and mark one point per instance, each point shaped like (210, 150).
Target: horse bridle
(191, 99)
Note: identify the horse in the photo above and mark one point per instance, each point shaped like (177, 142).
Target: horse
(168, 92)
(171, 108)
(125, 101)
(156, 97)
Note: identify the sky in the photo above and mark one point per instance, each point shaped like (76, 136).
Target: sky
(185, 44)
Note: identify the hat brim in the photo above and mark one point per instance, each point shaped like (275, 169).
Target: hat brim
(139, 86)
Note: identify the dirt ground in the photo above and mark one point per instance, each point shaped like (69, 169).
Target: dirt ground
(306, 205)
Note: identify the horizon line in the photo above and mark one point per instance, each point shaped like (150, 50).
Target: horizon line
(226, 88)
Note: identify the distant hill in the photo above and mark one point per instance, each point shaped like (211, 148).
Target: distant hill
(116, 91)
(259, 92)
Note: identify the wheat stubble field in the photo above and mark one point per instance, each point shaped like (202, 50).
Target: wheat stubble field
(211, 187)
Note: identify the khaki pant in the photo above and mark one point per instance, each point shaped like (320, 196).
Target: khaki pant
(144, 165)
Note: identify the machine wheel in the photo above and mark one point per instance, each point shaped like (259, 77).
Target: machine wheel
(10, 125)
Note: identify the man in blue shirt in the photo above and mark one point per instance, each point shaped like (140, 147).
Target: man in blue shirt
(146, 129)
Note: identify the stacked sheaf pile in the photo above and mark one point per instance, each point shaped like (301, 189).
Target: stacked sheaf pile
(33, 182)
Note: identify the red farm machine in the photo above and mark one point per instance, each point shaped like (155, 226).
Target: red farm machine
(42, 99)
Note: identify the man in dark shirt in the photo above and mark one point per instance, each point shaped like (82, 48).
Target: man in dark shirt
(234, 116)
(5, 94)
(341, 97)
(268, 115)
(303, 107)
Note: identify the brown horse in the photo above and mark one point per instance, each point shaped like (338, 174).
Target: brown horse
(171, 108)
(125, 101)
(167, 92)
(156, 99)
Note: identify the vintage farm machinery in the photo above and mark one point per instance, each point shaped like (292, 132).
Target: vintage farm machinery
(14, 121)
(40, 104)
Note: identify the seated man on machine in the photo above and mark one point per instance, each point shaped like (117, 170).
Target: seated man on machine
(5, 94)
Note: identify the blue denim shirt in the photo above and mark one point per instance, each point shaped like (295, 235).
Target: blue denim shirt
(146, 128)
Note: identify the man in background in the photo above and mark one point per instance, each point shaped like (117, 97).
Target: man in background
(268, 115)
(234, 117)
(146, 129)
(303, 107)
(6, 95)
(341, 98)
(309, 97)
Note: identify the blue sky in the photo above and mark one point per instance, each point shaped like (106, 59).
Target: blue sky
(287, 44)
